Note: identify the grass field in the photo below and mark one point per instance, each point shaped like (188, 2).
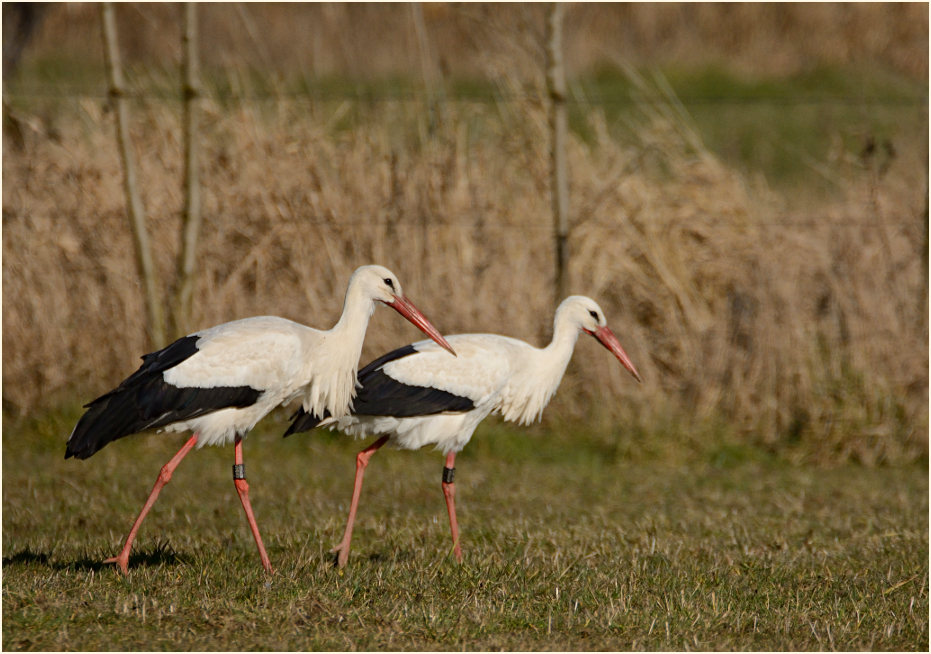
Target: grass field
(748, 204)
(570, 542)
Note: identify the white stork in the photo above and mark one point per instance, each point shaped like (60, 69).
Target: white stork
(416, 396)
(220, 381)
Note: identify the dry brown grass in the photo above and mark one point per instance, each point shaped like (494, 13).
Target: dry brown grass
(800, 330)
(803, 331)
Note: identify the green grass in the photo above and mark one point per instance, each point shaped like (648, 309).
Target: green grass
(568, 544)
(803, 134)
(800, 133)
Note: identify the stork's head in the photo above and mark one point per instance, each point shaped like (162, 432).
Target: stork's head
(382, 285)
(585, 313)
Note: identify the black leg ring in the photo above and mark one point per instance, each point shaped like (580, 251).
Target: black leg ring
(239, 471)
(448, 474)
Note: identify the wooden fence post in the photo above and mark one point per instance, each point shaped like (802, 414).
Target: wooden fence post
(190, 229)
(117, 92)
(559, 122)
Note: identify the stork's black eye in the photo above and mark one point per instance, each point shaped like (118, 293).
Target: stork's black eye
(593, 314)
(390, 283)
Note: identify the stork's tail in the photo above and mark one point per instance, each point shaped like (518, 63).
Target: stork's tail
(144, 400)
(107, 418)
(129, 407)
(304, 421)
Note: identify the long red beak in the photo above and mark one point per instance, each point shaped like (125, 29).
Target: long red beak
(404, 306)
(607, 338)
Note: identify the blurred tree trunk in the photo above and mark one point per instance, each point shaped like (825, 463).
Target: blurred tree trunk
(429, 70)
(156, 321)
(923, 305)
(190, 230)
(559, 183)
(20, 23)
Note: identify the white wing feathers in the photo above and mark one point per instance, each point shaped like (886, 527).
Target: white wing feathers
(263, 352)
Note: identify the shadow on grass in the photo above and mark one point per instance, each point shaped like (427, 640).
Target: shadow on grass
(158, 555)
(25, 557)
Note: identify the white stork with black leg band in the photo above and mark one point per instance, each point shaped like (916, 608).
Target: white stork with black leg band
(416, 396)
(219, 382)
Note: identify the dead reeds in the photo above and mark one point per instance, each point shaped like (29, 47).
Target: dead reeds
(801, 332)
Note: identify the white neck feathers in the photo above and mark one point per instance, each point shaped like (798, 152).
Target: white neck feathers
(335, 359)
(533, 386)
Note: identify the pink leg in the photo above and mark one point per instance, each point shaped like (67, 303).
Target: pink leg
(122, 559)
(242, 487)
(362, 460)
(449, 490)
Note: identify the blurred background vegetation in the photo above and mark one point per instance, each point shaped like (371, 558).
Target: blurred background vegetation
(748, 201)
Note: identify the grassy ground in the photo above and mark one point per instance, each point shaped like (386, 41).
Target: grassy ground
(610, 538)
(569, 543)
(662, 537)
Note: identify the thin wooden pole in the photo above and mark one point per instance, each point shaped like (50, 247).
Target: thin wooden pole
(428, 69)
(923, 302)
(559, 125)
(190, 229)
(156, 320)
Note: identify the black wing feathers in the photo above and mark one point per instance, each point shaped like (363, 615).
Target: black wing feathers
(145, 401)
(382, 395)
(303, 421)
(156, 362)
(399, 353)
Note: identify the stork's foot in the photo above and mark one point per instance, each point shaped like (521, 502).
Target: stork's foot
(342, 555)
(121, 561)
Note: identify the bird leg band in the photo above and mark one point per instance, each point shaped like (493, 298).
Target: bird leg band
(448, 474)
(239, 471)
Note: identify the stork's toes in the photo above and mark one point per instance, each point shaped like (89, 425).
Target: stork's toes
(121, 562)
(342, 555)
